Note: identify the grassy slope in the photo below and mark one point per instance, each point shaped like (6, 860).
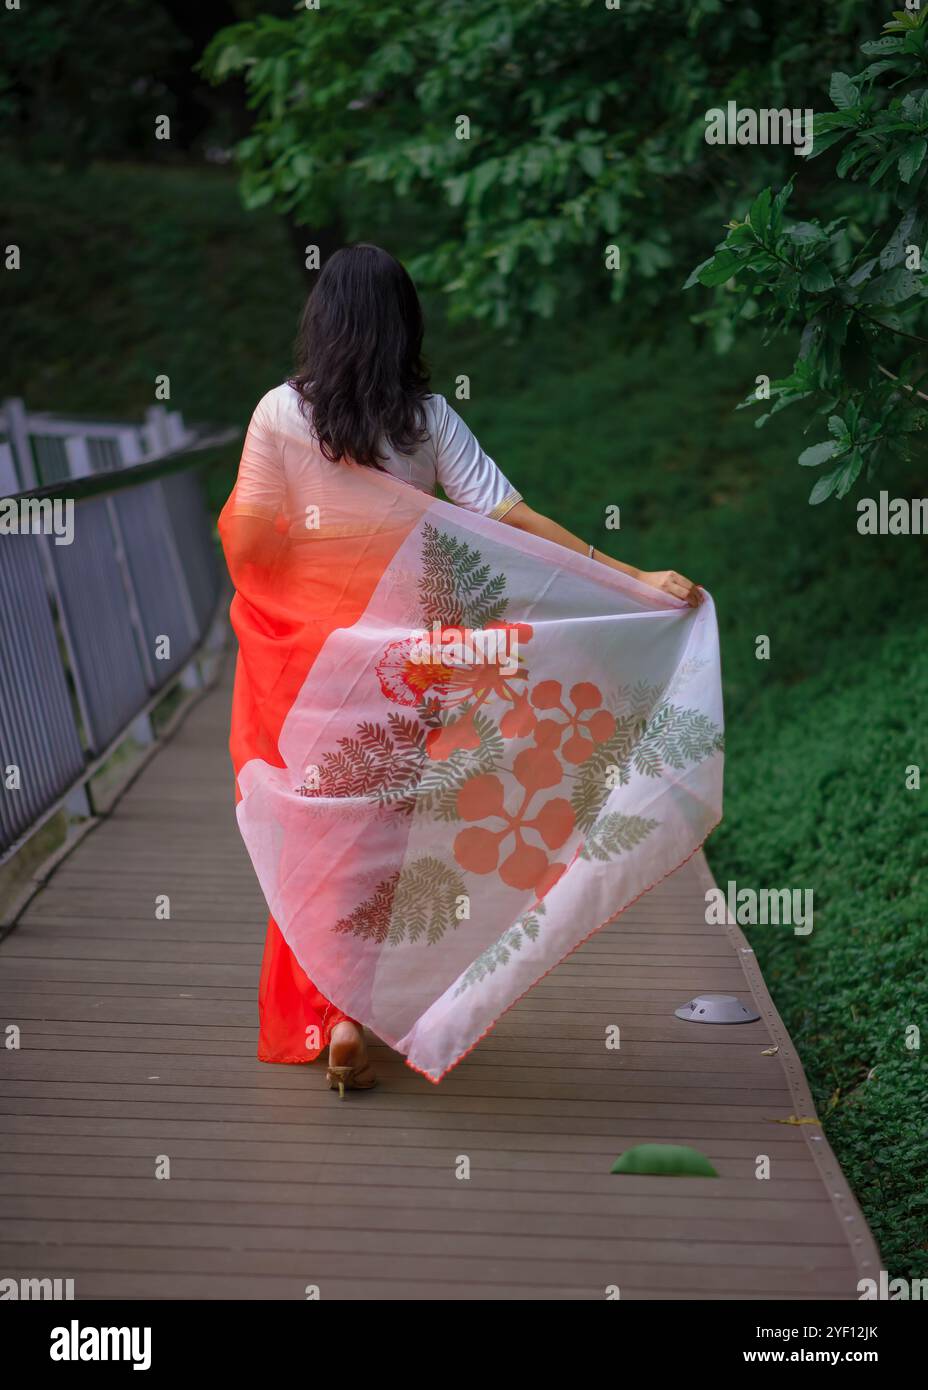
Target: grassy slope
(175, 277)
(130, 273)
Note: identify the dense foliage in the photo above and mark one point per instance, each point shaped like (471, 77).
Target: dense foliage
(587, 129)
(555, 155)
(852, 287)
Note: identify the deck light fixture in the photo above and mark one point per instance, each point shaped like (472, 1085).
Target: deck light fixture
(717, 1008)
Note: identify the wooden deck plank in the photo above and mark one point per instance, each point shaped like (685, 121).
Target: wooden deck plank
(138, 1040)
(58, 1175)
(532, 1053)
(172, 1274)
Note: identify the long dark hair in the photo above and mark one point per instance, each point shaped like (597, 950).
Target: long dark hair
(359, 367)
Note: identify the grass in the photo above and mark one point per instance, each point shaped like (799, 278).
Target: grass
(130, 274)
(175, 278)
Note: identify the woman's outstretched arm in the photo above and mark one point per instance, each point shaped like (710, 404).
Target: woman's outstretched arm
(669, 581)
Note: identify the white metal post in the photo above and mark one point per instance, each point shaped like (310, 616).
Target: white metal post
(17, 428)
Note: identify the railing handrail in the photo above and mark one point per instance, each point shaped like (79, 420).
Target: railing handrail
(94, 631)
(39, 449)
(98, 484)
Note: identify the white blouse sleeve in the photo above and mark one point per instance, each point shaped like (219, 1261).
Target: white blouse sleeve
(468, 475)
(261, 487)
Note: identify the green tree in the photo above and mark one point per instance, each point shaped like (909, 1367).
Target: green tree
(587, 130)
(546, 155)
(851, 288)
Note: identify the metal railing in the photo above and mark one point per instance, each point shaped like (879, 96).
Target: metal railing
(95, 629)
(38, 449)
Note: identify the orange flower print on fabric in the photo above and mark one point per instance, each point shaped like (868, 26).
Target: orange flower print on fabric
(440, 684)
(587, 722)
(406, 681)
(511, 849)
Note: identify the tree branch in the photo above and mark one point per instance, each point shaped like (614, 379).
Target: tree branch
(892, 376)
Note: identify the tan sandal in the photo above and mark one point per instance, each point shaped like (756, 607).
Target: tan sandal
(344, 1079)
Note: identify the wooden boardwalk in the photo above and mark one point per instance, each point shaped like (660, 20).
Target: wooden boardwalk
(138, 1041)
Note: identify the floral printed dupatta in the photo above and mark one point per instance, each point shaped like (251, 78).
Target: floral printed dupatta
(491, 746)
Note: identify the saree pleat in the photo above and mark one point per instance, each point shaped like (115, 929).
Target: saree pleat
(275, 655)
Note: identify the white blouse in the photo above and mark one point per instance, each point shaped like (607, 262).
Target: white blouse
(281, 451)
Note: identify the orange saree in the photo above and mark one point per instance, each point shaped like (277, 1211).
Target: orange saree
(274, 658)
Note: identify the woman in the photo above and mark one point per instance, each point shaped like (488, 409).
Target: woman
(340, 569)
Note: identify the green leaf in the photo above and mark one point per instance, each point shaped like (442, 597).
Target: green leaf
(837, 326)
(817, 278)
(892, 287)
(543, 299)
(849, 474)
(904, 20)
(880, 47)
(876, 69)
(818, 453)
(824, 141)
(853, 154)
(740, 237)
(664, 1160)
(456, 189)
(825, 486)
(885, 164)
(779, 203)
(230, 58)
(805, 233)
(719, 269)
(254, 194)
(302, 166)
(694, 276)
(910, 161)
(759, 216)
(591, 160)
(862, 273)
(842, 91)
(903, 235)
(610, 209)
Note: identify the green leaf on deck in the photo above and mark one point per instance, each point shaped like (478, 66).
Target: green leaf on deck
(664, 1160)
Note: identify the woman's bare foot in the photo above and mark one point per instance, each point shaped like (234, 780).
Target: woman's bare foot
(349, 1066)
(347, 1047)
